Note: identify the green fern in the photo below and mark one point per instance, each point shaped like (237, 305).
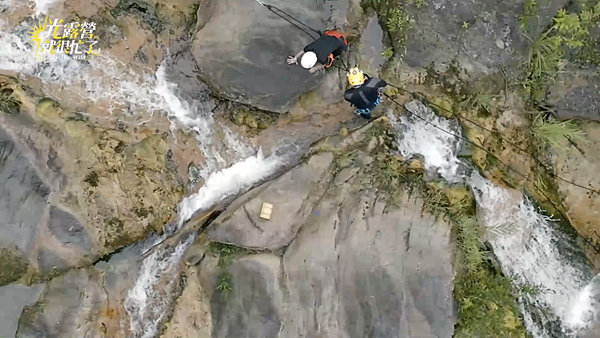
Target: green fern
(8, 103)
(469, 240)
(556, 134)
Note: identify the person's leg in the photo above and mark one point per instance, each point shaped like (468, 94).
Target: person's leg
(366, 115)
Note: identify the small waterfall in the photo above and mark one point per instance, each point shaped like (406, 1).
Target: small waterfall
(231, 167)
(528, 244)
(151, 296)
(42, 6)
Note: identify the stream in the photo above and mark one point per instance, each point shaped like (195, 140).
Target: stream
(530, 246)
(231, 166)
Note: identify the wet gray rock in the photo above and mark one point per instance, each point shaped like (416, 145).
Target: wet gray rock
(492, 36)
(12, 300)
(293, 196)
(242, 50)
(181, 69)
(67, 229)
(256, 311)
(50, 261)
(23, 198)
(357, 268)
(576, 95)
(69, 307)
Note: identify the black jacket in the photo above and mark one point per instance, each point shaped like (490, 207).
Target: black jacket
(324, 46)
(365, 96)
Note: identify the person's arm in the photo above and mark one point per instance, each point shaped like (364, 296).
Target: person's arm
(294, 59)
(348, 97)
(316, 68)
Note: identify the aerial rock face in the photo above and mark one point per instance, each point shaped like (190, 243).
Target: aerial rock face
(481, 35)
(240, 225)
(357, 266)
(72, 191)
(242, 47)
(576, 95)
(581, 165)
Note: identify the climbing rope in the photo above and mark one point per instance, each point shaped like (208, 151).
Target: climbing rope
(287, 17)
(422, 98)
(290, 19)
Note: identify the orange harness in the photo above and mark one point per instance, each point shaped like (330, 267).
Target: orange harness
(336, 35)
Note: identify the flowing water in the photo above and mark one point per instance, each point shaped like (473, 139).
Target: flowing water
(231, 166)
(529, 245)
(530, 251)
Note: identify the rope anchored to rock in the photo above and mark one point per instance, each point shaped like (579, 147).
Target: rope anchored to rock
(298, 24)
(287, 17)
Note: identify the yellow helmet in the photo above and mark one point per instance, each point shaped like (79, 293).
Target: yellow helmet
(356, 77)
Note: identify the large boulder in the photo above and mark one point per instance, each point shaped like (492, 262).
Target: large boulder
(23, 198)
(581, 165)
(481, 35)
(72, 192)
(242, 50)
(69, 307)
(13, 298)
(358, 267)
(293, 197)
(576, 95)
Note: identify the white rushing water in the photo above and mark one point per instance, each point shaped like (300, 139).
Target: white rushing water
(524, 240)
(42, 6)
(230, 167)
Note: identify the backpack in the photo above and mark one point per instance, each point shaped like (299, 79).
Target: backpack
(336, 35)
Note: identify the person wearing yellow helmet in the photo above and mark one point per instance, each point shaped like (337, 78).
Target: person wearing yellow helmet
(365, 93)
(323, 51)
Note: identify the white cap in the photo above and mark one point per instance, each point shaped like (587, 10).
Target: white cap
(309, 59)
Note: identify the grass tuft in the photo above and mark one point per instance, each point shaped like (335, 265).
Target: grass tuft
(556, 134)
(8, 103)
(227, 253)
(469, 241)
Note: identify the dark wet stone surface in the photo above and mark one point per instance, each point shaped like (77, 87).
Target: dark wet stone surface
(183, 71)
(22, 196)
(67, 229)
(254, 312)
(372, 45)
(581, 103)
(246, 61)
(483, 34)
(576, 94)
(12, 300)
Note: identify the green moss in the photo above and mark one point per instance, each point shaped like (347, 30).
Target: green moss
(487, 306)
(256, 120)
(117, 237)
(227, 253)
(12, 266)
(568, 32)
(393, 15)
(92, 179)
(8, 102)
(149, 14)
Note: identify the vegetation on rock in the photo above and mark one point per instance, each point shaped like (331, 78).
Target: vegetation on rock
(12, 266)
(393, 15)
(8, 103)
(556, 134)
(226, 253)
(486, 298)
(569, 32)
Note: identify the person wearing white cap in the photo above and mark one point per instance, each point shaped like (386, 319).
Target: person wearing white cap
(324, 50)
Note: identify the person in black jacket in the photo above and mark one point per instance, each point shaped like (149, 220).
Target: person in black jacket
(365, 94)
(324, 50)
